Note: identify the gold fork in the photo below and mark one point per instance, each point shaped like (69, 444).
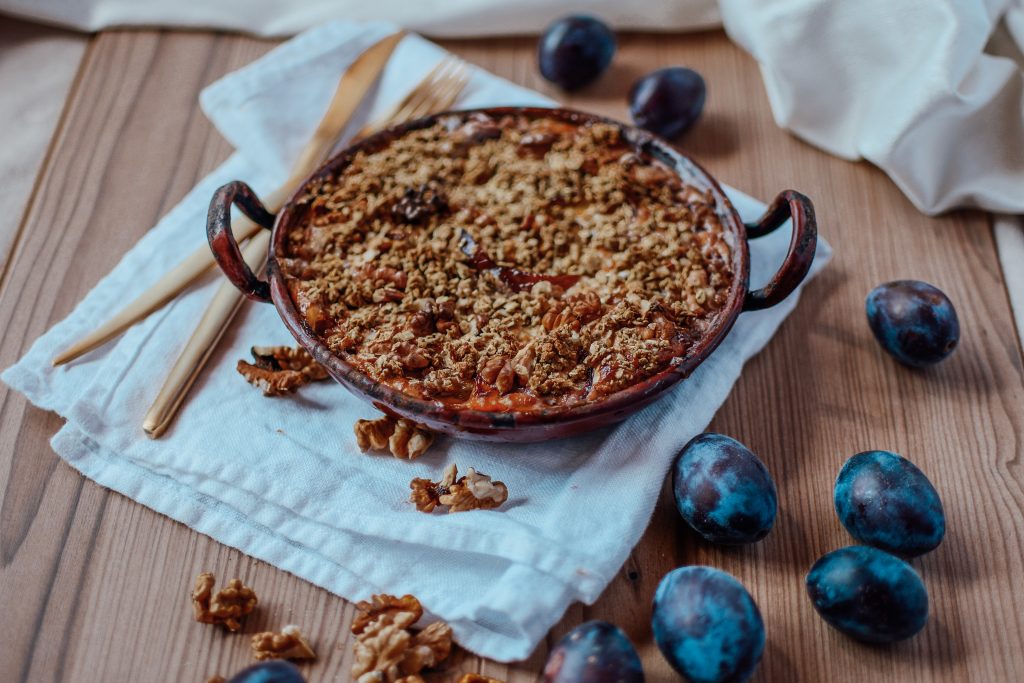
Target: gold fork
(438, 91)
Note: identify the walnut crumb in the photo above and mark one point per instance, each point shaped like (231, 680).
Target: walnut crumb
(478, 678)
(386, 651)
(288, 644)
(215, 679)
(279, 370)
(404, 438)
(475, 491)
(227, 607)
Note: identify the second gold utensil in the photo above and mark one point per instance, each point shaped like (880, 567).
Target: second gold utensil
(439, 90)
(351, 88)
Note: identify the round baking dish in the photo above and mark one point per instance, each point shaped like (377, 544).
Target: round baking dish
(547, 422)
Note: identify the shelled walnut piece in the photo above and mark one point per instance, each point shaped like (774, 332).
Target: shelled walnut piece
(478, 678)
(386, 651)
(404, 438)
(227, 607)
(279, 370)
(475, 491)
(288, 644)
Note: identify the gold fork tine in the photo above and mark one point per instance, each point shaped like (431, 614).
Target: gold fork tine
(421, 90)
(424, 92)
(437, 91)
(445, 94)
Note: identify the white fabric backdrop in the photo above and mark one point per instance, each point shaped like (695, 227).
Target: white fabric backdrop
(905, 84)
(432, 17)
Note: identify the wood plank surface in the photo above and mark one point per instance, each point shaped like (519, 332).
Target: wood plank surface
(37, 69)
(94, 586)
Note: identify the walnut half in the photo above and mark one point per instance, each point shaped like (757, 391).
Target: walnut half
(386, 651)
(227, 607)
(404, 438)
(279, 370)
(288, 644)
(475, 491)
(478, 678)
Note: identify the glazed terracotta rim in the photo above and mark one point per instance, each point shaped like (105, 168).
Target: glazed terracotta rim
(466, 419)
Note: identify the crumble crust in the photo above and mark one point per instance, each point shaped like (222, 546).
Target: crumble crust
(507, 265)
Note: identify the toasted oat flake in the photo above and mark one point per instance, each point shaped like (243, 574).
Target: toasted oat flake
(509, 264)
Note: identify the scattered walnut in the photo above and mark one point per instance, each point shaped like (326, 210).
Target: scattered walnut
(288, 644)
(379, 650)
(475, 491)
(280, 370)
(226, 607)
(426, 493)
(429, 647)
(374, 434)
(409, 441)
(386, 651)
(404, 438)
(215, 679)
(385, 606)
(478, 678)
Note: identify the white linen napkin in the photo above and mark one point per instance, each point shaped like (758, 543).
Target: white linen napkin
(282, 479)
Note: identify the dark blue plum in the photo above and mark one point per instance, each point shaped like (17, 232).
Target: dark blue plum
(594, 652)
(668, 102)
(575, 50)
(868, 594)
(914, 321)
(707, 626)
(273, 671)
(723, 490)
(884, 500)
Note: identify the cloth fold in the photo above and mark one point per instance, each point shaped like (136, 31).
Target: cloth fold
(924, 89)
(911, 86)
(282, 479)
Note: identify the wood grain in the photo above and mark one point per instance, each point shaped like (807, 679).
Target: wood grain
(93, 586)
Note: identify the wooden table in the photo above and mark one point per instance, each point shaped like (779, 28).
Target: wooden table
(94, 587)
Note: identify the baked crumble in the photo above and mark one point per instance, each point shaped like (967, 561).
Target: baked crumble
(508, 264)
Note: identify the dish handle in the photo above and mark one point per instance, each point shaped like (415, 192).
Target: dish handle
(222, 239)
(788, 204)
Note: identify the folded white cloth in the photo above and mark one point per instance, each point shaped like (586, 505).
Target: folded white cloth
(913, 86)
(910, 86)
(433, 17)
(282, 479)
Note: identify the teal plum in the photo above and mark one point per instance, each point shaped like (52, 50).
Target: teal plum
(868, 594)
(707, 626)
(885, 501)
(915, 322)
(668, 101)
(594, 652)
(575, 50)
(723, 490)
(273, 671)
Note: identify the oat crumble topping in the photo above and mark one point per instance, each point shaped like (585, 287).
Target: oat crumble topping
(508, 264)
